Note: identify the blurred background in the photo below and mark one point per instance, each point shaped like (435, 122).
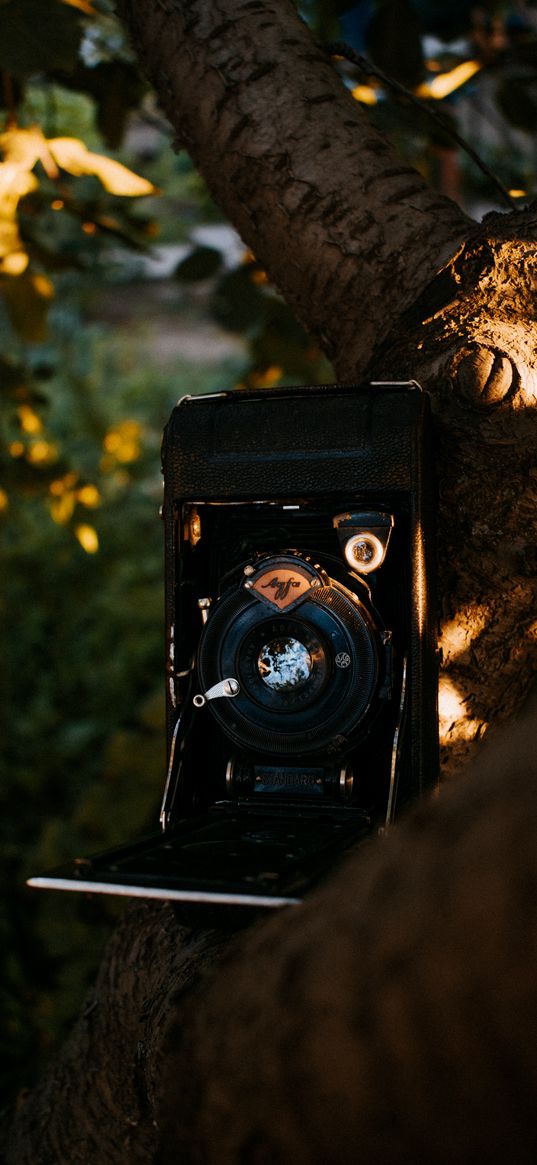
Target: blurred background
(122, 289)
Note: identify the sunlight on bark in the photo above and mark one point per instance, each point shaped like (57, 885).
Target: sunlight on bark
(455, 722)
(458, 634)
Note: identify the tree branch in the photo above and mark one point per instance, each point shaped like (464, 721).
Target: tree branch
(340, 223)
(339, 48)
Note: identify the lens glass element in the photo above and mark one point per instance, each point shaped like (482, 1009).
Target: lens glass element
(284, 663)
(364, 552)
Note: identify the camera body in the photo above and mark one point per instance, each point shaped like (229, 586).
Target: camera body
(301, 641)
(300, 612)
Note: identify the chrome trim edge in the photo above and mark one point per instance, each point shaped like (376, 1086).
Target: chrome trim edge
(44, 883)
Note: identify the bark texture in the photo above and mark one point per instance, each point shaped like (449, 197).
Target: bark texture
(347, 231)
(392, 1018)
(473, 337)
(98, 1103)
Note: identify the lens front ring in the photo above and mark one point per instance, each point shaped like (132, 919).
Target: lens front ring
(334, 629)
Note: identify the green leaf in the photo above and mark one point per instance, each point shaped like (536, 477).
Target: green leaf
(38, 35)
(201, 263)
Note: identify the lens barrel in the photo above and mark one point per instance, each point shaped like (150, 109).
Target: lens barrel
(307, 666)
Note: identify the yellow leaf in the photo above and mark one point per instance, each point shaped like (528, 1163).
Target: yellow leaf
(29, 420)
(267, 377)
(14, 263)
(365, 94)
(123, 441)
(14, 183)
(445, 83)
(24, 147)
(83, 6)
(89, 496)
(61, 508)
(43, 286)
(62, 484)
(72, 155)
(16, 180)
(42, 452)
(88, 538)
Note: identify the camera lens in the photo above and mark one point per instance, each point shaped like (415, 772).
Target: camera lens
(281, 662)
(307, 666)
(284, 664)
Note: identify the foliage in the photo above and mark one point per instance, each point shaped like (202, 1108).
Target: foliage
(80, 210)
(82, 708)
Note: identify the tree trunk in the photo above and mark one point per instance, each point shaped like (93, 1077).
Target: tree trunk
(339, 1028)
(392, 1018)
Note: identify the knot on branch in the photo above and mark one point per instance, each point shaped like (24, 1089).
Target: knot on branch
(482, 376)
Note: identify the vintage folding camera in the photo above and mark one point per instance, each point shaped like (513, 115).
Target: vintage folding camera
(301, 651)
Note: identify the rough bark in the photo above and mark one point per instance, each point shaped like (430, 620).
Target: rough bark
(392, 1019)
(98, 1103)
(362, 1025)
(472, 336)
(347, 231)
(389, 1019)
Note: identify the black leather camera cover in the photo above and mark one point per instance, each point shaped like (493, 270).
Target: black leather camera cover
(318, 442)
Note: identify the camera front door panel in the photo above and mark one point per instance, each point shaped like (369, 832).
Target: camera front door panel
(290, 644)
